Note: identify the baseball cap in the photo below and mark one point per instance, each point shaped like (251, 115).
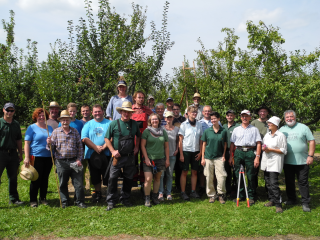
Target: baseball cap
(246, 112)
(168, 114)
(122, 83)
(150, 96)
(230, 111)
(8, 105)
(169, 99)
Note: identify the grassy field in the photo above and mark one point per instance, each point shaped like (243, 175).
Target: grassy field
(176, 219)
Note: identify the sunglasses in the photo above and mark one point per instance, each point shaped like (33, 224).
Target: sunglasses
(9, 110)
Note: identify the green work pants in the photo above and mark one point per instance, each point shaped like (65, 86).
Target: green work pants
(247, 160)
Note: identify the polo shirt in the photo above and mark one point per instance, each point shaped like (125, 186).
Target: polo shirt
(230, 130)
(125, 126)
(262, 126)
(215, 142)
(297, 143)
(248, 136)
(9, 134)
(155, 145)
(191, 136)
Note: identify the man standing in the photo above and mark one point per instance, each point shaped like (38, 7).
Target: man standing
(54, 110)
(246, 141)
(206, 120)
(67, 146)
(75, 123)
(123, 149)
(151, 103)
(169, 103)
(298, 159)
(86, 114)
(92, 135)
(178, 119)
(261, 124)
(230, 126)
(140, 115)
(196, 103)
(160, 111)
(10, 142)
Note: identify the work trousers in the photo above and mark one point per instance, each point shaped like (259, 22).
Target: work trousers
(10, 161)
(246, 159)
(64, 172)
(127, 163)
(43, 166)
(272, 185)
(302, 173)
(215, 166)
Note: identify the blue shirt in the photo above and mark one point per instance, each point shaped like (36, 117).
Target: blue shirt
(115, 102)
(95, 131)
(77, 124)
(205, 124)
(38, 140)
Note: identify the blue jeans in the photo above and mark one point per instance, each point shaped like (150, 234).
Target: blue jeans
(169, 173)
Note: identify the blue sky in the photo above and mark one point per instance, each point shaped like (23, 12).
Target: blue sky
(45, 21)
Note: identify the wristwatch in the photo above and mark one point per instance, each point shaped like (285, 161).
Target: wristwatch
(310, 156)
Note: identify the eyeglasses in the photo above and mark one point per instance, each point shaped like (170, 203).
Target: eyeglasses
(9, 110)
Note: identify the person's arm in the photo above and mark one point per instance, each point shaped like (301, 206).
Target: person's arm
(91, 145)
(204, 144)
(256, 160)
(177, 146)
(144, 152)
(19, 146)
(312, 148)
(115, 153)
(80, 148)
(109, 109)
(166, 151)
(26, 153)
(198, 156)
(231, 152)
(224, 152)
(136, 148)
(181, 148)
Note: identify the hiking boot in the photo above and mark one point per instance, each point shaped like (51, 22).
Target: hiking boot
(155, 199)
(194, 195)
(16, 202)
(290, 202)
(33, 204)
(81, 205)
(221, 199)
(184, 196)
(161, 198)
(110, 207)
(147, 201)
(279, 210)
(43, 202)
(306, 208)
(212, 199)
(269, 204)
(251, 202)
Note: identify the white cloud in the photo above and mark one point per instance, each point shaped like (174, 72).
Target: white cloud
(2, 2)
(295, 23)
(264, 15)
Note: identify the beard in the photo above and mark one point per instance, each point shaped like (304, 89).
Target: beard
(291, 123)
(196, 103)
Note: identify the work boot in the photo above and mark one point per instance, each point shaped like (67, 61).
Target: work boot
(251, 202)
(279, 210)
(306, 208)
(221, 199)
(155, 199)
(269, 204)
(147, 201)
(184, 196)
(212, 199)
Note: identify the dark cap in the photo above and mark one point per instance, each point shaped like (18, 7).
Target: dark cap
(122, 83)
(264, 107)
(8, 105)
(169, 99)
(231, 111)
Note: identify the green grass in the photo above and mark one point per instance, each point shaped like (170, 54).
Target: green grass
(176, 219)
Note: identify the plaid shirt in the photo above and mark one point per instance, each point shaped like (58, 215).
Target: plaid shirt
(66, 145)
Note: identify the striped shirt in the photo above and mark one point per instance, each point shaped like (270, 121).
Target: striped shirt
(163, 122)
(245, 136)
(66, 145)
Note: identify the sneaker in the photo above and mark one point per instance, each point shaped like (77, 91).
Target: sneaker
(269, 204)
(184, 196)
(279, 210)
(110, 207)
(212, 200)
(155, 199)
(81, 205)
(16, 202)
(221, 199)
(33, 204)
(43, 202)
(290, 202)
(306, 208)
(251, 202)
(147, 202)
(161, 198)
(169, 197)
(194, 195)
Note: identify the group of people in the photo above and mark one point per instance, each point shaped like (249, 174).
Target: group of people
(148, 143)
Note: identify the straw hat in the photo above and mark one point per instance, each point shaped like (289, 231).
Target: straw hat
(196, 95)
(64, 114)
(29, 173)
(126, 106)
(54, 104)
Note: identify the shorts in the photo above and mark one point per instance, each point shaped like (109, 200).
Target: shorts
(190, 158)
(160, 164)
(96, 173)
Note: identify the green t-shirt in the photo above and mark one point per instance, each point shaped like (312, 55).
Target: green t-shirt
(113, 132)
(155, 145)
(262, 126)
(215, 142)
(230, 130)
(297, 143)
(9, 134)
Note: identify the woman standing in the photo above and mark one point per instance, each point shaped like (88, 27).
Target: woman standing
(117, 100)
(173, 138)
(155, 149)
(37, 155)
(274, 147)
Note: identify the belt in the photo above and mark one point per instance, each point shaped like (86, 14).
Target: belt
(246, 149)
(68, 159)
(8, 150)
